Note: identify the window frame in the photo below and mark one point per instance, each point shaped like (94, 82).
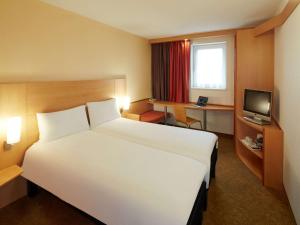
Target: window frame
(209, 45)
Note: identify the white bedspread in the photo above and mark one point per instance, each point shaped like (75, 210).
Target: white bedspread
(190, 143)
(116, 181)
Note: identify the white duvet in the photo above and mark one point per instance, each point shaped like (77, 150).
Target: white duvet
(187, 142)
(116, 181)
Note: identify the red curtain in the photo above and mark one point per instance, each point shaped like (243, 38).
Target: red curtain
(179, 71)
(160, 71)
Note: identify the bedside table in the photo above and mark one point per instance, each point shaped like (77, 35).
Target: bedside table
(9, 174)
(131, 116)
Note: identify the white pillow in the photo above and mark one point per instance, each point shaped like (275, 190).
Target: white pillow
(58, 124)
(100, 112)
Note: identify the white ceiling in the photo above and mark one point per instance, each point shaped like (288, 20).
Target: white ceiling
(161, 18)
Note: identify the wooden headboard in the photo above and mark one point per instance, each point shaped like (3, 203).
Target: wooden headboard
(26, 99)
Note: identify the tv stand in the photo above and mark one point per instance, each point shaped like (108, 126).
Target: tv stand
(266, 163)
(256, 120)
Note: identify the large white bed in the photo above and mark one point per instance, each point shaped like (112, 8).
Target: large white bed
(198, 145)
(117, 181)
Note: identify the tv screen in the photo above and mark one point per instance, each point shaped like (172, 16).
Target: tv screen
(258, 102)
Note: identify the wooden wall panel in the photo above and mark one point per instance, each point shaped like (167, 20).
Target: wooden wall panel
(54, 96)
(255, 70)
(218, 33)
(277, 20)
(273, 158)
(26, 99)
(12, 103)
(255, 63)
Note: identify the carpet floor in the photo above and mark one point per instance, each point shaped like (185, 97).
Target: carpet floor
(236, 197)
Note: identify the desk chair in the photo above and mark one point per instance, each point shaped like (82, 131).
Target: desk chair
(180, 116)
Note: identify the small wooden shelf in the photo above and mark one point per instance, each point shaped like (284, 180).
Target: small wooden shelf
(9, 174)
(253, 125)
(267, 163)
(256, 152)
(257, 172)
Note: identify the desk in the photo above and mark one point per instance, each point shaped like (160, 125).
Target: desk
(193, 106)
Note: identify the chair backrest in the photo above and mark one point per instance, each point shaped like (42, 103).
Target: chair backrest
(179, 113)
(140, 107)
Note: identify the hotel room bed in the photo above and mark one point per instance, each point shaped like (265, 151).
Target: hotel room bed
(198, 145)
(119, 182)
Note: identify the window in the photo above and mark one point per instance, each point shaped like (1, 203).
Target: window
(208, 65)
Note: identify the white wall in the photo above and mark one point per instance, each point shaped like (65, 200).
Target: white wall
(42, 42)
(217, 121)
(287, 103)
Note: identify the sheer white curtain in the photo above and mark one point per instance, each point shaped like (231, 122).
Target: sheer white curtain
(208, 65)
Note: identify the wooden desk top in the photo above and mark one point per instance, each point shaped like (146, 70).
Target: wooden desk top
(9, 174)
(195, 107)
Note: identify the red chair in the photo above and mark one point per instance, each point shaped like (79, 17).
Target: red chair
(143, 111)
(152, 117)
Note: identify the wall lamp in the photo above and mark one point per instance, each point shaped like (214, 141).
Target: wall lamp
(123, 102)
(13, 131)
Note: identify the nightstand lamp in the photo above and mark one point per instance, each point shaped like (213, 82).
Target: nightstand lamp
(126, 103)
(13, 132)
(123, 103)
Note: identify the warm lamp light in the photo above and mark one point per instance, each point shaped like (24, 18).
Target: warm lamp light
(13, 131)
(123, 103)
(119, 102)
(126, 103)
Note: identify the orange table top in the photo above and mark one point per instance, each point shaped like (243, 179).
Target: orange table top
(194, 106)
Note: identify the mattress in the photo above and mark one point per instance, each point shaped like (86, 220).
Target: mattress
(194, 144)
(116, 181)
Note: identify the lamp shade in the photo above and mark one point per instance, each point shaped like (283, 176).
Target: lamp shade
(126, 103)
(119, 102)
(13, 130)
(123, 102)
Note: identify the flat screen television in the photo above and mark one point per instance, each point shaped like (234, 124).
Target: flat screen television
(258, 106)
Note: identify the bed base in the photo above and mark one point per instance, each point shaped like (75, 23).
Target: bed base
(195, 218)
(213, 162)
(199, 206)
(32, 189)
